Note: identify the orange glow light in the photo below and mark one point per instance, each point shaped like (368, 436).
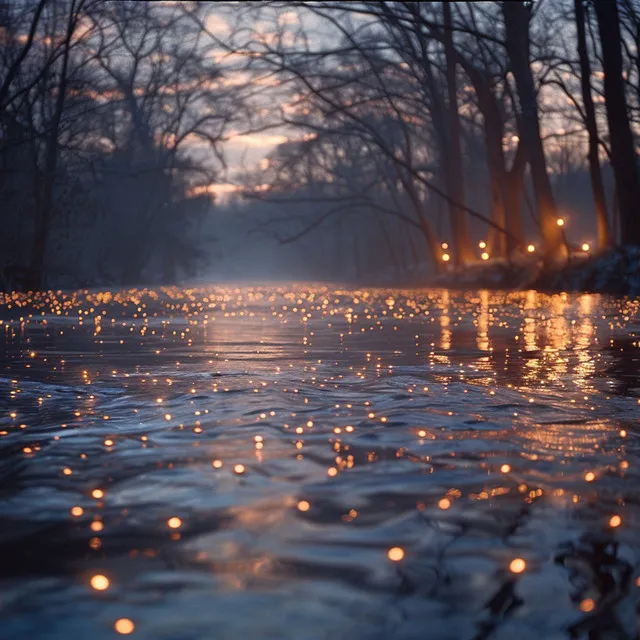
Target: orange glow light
(518, 565)
(396, 554)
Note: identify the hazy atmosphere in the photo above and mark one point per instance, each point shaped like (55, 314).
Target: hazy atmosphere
(320, 320)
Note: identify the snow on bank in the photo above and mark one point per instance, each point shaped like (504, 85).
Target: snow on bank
(616, 271)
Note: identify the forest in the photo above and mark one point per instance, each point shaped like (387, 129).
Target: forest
(391, 140)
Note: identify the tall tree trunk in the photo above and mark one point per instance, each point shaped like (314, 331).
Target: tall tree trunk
(463, 251)
(514, 184)
(623, 156)
(516, 17)
(45, 209)
(597, 187)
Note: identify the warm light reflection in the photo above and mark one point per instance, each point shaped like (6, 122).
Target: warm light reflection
(124, 626)
(396, 554)
(518, 565)
(100, 582)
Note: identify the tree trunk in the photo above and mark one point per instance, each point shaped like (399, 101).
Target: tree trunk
(623, 156)
(463, 251)
(45, 209)
(597, 187)
(516, 17)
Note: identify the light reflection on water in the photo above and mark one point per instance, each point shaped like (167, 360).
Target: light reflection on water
(239, 462)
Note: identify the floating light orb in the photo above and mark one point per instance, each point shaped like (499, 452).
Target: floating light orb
(446, 257)
(100, 582)
(531, 248)
(518, 565)
(303, 505)
(484, 255)
(587, 605)
(396, 554)
(445, 245)
(560, 222)
(585, 246)
(124, 626)
(615, 521)
(444, 503)
(174, 523)
(482, 244)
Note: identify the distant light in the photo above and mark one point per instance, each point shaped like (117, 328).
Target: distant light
(531, 248)
(445, 245)
(505, 468)
(589, 476)
(560, 222)
(444, 503)
(485, 255)
(482, 244)
(587, 605)
(446, 257)
(586, 246)
(615, 521)
(517, 566)
(124, 626)
(303, 505)
(396, 554)
(97, 494)
(174, 523)
(239, 469)
(100, 582)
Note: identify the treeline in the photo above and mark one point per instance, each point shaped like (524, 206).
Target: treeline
(402, 105)
(419, 134)
(111, 121)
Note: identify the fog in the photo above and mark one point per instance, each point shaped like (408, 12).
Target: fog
(157, 143)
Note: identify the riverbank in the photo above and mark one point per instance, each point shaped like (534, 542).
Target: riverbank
(616, 271)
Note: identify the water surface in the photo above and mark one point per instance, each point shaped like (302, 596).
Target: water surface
(247, 462)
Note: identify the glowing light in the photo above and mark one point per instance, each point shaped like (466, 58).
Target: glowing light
(445, 245)
(303, 505)
(482, 244)
(124, 626)
(167, 416)
(590, 476)
(332, 471)
(67, 471)
(518, 565)
(615, 521)
(100, 582)
(446, 257)
(531, 248)
(77, 511)
(585, 246)
(239, 469)
(96, 525)
(505, 468)
(217, 464)
(587, 605)
(560, 222)
(174, 523)
(444, 503)
(396, 554)
(484, 255)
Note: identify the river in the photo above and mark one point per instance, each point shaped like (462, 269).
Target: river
(309, 461)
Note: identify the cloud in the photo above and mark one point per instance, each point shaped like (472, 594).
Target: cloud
(216, 25)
